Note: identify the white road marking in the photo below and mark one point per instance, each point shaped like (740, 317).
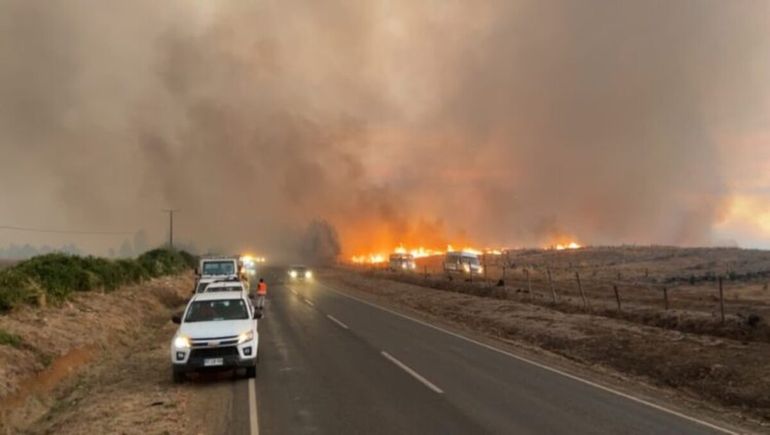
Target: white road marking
(309, 302)
(542, 366)
(333, 319)
(414, 374)
(253, 419)
(294, 291)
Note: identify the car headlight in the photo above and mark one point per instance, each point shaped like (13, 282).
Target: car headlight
(181, 342)
(246, 336)
(293, 273)
(481, 269)
(466, 267)
(308, 274)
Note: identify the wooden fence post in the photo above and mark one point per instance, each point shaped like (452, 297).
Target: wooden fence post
(665, 297)
(617, 295)
(580, 287)
(721, 300)
(550, 284)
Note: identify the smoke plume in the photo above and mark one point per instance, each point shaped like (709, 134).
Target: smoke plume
(491, 122)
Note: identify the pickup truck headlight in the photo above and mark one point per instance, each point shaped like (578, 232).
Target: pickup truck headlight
(308, 274)
(182, 342)
(246, 336)
(293, 273)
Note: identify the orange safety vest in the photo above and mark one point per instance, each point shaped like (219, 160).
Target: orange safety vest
(262, 288)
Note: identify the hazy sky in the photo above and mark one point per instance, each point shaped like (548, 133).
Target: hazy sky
(498, 123)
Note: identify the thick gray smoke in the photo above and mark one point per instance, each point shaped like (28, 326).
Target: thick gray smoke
(496, 122)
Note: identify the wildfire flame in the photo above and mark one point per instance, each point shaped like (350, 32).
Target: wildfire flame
(420, 252)
(570, 245)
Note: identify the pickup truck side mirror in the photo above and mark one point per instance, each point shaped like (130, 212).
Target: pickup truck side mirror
(197, 272)
(176, 318)
(257, 314)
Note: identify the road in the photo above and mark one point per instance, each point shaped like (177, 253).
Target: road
(331, 364)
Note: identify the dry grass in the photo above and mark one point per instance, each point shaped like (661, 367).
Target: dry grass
(689, 275)
(94, 324)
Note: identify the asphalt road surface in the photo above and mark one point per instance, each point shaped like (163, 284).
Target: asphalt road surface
(331, 364)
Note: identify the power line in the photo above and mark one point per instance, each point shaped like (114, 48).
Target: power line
(45, 230)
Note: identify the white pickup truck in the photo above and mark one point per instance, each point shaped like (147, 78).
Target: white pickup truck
(218, 331)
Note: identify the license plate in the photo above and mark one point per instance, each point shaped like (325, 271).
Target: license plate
(213, 362)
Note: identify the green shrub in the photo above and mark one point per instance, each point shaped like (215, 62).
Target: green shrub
(8, 339)
(159, 262)
(190, 260)
(58, 275)
(132, 271)
(16, 289)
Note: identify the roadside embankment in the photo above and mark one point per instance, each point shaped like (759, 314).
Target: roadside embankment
(103, 313)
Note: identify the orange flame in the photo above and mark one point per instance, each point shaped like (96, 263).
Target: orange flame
(420, 252)
(570, 245)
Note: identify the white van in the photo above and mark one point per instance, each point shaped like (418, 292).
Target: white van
(465, 263)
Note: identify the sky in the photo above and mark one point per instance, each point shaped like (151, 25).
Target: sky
(492, 123)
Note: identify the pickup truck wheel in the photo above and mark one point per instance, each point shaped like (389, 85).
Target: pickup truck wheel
(251, 372)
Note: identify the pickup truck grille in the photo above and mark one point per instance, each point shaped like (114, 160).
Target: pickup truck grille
(214, 352)
(213, 342)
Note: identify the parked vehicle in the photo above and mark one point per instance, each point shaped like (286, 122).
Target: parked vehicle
(401, 262)
(464, 263)
(226, 286)
(218, 331)
(218, 267)
(211, 269)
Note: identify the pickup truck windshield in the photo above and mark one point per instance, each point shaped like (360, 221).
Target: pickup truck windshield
(207, 311)
(218, 268)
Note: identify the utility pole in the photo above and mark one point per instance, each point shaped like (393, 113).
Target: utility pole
(170, 212)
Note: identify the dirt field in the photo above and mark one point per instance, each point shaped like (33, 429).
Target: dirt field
(99, 364)
(728, 373)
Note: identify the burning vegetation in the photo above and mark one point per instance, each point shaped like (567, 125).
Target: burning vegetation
(382, 256)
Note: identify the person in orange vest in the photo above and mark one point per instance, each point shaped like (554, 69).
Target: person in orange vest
(261, 293)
